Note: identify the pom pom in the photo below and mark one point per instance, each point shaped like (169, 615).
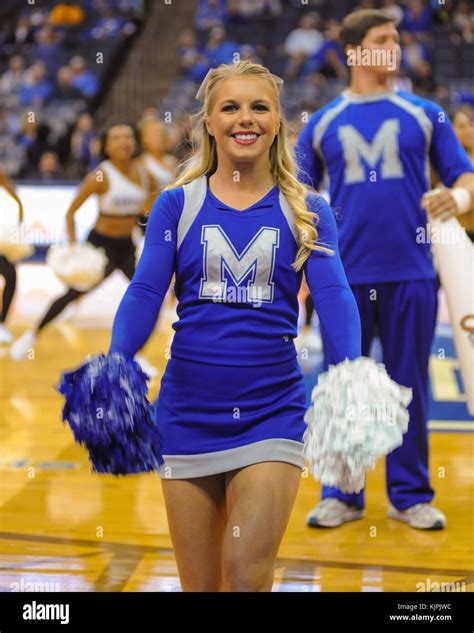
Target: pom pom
(79, 266)
(109, 413)
(357, 414)
(11, 246)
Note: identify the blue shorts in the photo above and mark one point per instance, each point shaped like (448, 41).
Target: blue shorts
(217, 418)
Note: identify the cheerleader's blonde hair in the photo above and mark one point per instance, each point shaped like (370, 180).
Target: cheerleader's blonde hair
(203, 160)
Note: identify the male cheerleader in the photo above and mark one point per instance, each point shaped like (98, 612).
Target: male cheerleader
(376, 145)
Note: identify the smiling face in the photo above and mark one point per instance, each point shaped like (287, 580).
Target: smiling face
(244, 119)
(120, 143)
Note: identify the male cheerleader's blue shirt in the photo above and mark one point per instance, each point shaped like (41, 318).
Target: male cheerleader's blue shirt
(376, 151)
(235, 285)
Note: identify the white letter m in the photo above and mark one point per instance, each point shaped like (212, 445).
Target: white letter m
(384, 145)
(258, 257)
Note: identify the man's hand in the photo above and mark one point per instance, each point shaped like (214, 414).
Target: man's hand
(440, 203)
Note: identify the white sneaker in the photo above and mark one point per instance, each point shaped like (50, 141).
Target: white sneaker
(331, 512)
(147, 367)
(422, 516)
(5, 335)
(22, 346)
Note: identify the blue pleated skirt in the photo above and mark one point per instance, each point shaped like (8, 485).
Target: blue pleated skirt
(217, 418)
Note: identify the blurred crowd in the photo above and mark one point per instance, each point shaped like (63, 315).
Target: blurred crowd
(50, 82)
(313, 47)
(51, 74)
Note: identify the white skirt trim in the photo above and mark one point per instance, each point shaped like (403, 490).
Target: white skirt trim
(204, 464)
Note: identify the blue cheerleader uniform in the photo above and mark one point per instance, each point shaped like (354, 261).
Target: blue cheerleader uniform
(232, 393)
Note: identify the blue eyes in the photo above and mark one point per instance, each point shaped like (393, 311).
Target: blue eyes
(260, 107)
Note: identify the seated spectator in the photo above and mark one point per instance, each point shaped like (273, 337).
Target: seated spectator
(49, 50)
(330, 60)
(67, 13)
(37, 89)
(134, 8)
(111, 25)
(21, 37)
(248, 9)
(81, 143)
(218, 49)
(14, 78)
(303, 42)
(38, 15)
(34, 138)
(187, 51)
(28, 131)
(82, 78)
(210, 14)
(199, 69)
(417, 17)
(463, 20)
(48, 169)
(414, 53)
(65, 89)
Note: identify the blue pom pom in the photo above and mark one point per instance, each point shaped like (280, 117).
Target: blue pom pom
(109, 413)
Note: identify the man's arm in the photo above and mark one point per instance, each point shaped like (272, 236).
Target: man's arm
(454, 168)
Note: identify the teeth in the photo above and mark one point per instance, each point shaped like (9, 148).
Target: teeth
(246, 137)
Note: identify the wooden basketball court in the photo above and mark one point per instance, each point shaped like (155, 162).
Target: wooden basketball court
(63, 528)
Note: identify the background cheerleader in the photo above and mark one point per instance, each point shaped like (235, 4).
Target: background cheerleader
(7, 268)
(125, 189)
(158, 161)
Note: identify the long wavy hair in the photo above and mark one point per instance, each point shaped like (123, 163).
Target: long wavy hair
(203, 160)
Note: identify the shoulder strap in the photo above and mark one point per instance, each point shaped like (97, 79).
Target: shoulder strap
(289, 215)
(194, 195)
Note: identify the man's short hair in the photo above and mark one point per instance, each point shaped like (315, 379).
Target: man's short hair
(356, 25)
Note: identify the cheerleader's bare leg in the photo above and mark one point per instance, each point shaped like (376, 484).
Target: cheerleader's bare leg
(197, 516)
(259, 501)
(226, 529)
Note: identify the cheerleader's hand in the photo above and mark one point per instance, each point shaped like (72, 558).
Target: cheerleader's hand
(440, 203)
(107, 409)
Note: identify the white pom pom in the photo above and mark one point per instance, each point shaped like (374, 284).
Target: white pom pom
(79, 266)
(357, 414)
(11, 246)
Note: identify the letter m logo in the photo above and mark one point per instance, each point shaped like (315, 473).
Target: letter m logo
(384, 148)
(257, 261)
